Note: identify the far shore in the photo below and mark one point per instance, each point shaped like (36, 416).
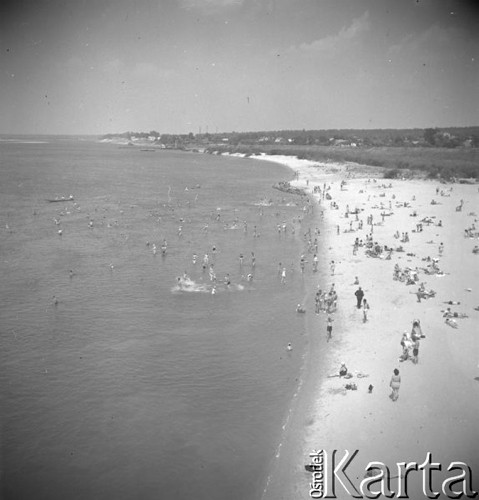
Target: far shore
(413, 161)
(438, 403)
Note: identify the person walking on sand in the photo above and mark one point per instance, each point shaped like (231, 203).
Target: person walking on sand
(329, 329)
(332, 266)
(365, 310)
(359, 296)
(415, 352)
(395, 384)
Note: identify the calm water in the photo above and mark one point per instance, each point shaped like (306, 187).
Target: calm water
(128, 388)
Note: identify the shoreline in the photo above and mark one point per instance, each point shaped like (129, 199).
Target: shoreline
(286, 477)
(439, 395)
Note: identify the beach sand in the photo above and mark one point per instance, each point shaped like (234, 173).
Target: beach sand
(438, 400)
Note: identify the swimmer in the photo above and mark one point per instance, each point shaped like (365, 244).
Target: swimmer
(300, 309)
(289, 347)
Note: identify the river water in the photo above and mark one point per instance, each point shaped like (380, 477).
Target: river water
(115, 383)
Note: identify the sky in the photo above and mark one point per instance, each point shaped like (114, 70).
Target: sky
(180, 66)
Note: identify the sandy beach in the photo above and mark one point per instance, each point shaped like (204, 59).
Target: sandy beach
(436, 411)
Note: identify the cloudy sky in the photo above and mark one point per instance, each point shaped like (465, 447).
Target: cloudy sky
(101, 66)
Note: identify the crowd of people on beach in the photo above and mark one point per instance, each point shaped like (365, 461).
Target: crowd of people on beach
(410, 275)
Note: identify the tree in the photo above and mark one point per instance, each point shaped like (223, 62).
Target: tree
(430, 135)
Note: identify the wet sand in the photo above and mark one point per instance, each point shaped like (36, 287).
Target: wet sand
(439, 396)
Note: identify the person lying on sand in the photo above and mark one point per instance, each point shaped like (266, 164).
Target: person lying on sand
(422, 293)
(300, 309)
(343, 372)
(351, 387)
(451, 314)
(451, 322)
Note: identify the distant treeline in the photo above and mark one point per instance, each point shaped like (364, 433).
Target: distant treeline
(442, 153)
(449, 137)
